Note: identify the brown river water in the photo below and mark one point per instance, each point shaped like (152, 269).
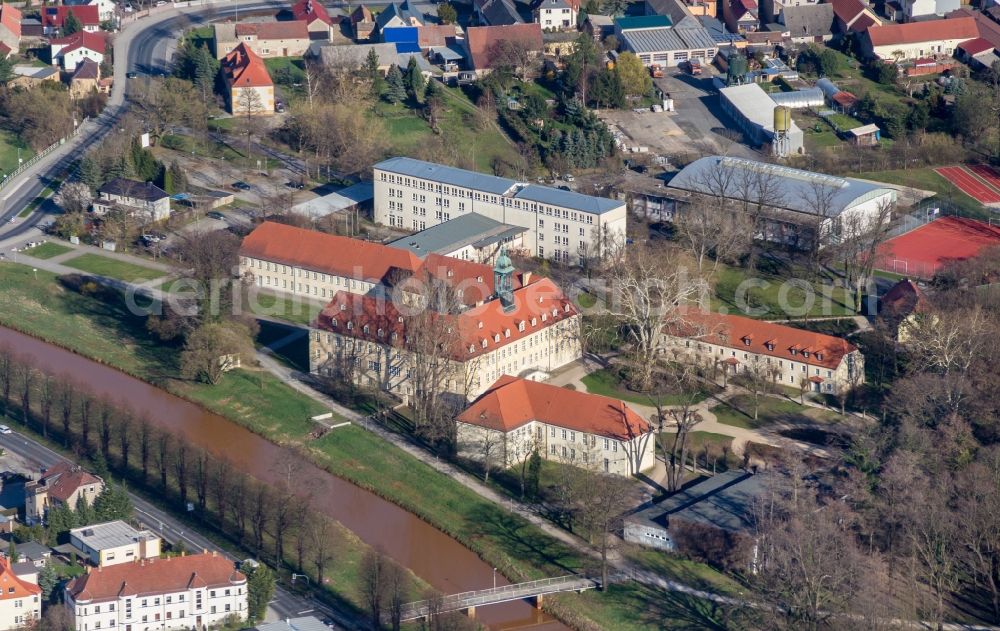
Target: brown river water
(432, 555)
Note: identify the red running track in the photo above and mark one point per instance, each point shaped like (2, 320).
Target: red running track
(969, 184)
(946, 239)
(987, 173)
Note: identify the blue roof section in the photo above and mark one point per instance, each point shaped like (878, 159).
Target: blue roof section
(568, 199)
(642, 21)
(400, 34)
(407, 47)
(447, 175)
(795, 189)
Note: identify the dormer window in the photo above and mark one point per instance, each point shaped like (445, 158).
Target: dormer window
(350, 325)
(393, 336)
(472, 348)
(520, 326)
(343, 307)
(555, 312)
(380, 332)
(566, 307)
(747, 340)
(545, 317)
(484, 342)
(506, 332)
(769, 346)
(805, 353)
(479, 279)
(819, 356)
(541, 299)
(451, 273)
(496, 338)
(794, 351)
(448, 330)
(480, 325)
(366, 329)
(534, 322)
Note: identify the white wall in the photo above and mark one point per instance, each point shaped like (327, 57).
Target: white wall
(174, 610)
(16, 612)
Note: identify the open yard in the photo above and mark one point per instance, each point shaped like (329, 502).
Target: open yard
(773, 292)
(9, 145)
(47, 250)
(738, 412)
(609, 382)
(112, 268)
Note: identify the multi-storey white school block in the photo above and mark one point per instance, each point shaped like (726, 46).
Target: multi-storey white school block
(564, 226)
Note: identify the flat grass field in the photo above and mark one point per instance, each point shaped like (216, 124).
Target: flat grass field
(738, 412)
(763, 291)
(608, 383)
(47, 250)
(99, 327)
(9, 143)
(112, 268)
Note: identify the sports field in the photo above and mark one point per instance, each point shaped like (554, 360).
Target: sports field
(980, 182)
(921, 252)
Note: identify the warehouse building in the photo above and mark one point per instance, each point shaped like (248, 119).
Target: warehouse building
(753, 111)
(669, 46)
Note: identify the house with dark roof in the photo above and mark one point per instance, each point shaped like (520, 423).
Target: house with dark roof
(85, 80)
(249, 88)
(74, 49)
(144, 199)
(515, 417)
(10, 26)
(54, 18)
(713, 515)
(186, 591)
(496, 12)
(902, 307)
(362, 23)
(556, 15)
(808, 23)
(896, 42)
(62, 484)
(397, 16)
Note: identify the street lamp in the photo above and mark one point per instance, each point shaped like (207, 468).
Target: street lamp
(494, 578)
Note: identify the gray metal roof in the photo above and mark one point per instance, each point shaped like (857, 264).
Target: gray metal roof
(307, 623)
(809, 97)
(447, 175)
(754, 104)
(112, 534)
(722, 501)
(664, 39)
(337, 201)
(568, 199)
(470, 229)
(796, 189)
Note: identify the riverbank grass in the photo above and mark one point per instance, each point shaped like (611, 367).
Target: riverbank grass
(112, 268)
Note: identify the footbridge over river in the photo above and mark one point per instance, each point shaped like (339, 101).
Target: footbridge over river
(535, 590)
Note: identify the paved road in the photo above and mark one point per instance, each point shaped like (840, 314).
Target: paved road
(283, 605)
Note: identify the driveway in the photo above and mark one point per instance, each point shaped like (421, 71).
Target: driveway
(699, 114)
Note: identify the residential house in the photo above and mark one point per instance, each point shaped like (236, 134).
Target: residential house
(36, 554)
(786, 355)
(910, 10)
(397, 16)
(902, 307)
(181, 592)
(496, 12)
(988, 29)
(770, 10)
(31, 76)
(436, 35)
(854, 16)
(355, 55)
(809, 23)
(265, 39)
(53, 18)
(144, 199)
(896, 42)
(71, 51)
(515, 417)
(319, 24)
(557, 15)
(741, 16)
(565, 226)
(481, 42)
(249, 89)
(368, 341)
(471, 237)
(362, 23)
(105, 8)
(60, 485)
(599, 26)
(85, 80)
(715, 514)
(722, 37)
(798, 208)
(670, 46)
(20, 601)
(978, 53)
(114, 543)
(10, 26)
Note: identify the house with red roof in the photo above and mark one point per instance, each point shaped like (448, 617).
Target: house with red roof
(265, 39)
(195, 591)
(793, 357)
(932, 38)
(54, 18)
(71, 51)
(854, 16)
(249, 89)
(483, 42)
(415, 349)
(20, 599)
(741, 16)
(63, 484)
(10, 27)
(318, 22)
(515, 417)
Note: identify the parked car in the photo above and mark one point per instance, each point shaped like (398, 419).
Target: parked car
(5, 430)
(215, 215)
(569, 177)
(131, 75)
(241, 185)
(296, 185)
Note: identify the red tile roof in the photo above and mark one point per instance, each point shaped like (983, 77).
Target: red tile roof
(902, 299)
(435, 34)
(310, 11)
(481, 39)
(511, 402)
(273, 30)
(155, 576)
(363, 260)
(63, 480)
(474, 332)
(5, 50)
(10, 18)
(362, 14)
(244, 69)
(975, 46)
(81, 39)
(12, 587)
(844, 99)
(54, 17)
(963, 28)
(767, 338)
(988, 29)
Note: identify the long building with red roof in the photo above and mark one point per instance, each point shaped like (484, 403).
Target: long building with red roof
(515, 417)
(787, 355)
(918, 39)
(10, 26)
(184, 592)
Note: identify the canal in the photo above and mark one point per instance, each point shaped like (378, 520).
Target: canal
(435, 557)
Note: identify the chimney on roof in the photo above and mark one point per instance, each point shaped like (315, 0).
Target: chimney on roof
(525, 278)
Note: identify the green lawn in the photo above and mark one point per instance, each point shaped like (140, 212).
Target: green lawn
(47, 250)
(283, 308)
(609, 383)
(843, 122)
(738, 412)
(736, 290)
(112, 268)
(9, 144)
(286, 70)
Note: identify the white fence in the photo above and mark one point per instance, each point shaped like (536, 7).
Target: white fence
(7, 179)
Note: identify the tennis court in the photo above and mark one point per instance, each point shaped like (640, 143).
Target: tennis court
(920, 253)
(985, 189)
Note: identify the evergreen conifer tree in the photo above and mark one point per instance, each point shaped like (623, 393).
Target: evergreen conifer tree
(415, 80)
(395, 90)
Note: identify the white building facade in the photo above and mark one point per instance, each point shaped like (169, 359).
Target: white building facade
(564, 226)
(20, 600)
(114, 543)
